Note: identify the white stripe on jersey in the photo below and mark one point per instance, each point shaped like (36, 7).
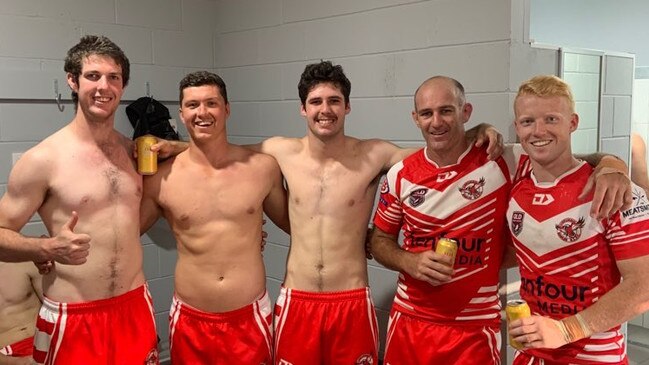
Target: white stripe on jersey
(574, 264)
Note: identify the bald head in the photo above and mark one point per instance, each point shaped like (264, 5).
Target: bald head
(443, 82)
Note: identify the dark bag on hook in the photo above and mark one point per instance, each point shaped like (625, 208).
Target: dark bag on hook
(149, 116)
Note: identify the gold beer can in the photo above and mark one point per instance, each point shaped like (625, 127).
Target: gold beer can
(516, 309)
(147, 160)
(447, 247)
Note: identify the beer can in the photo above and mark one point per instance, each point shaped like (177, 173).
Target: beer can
(447, 247)
(147, 160)
(516, 309)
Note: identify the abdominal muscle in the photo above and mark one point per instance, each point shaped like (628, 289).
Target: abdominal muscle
(228, 275)
(327, 255)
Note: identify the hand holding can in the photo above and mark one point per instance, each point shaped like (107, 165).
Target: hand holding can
(147, 160)
(516, 309)
(447, 247)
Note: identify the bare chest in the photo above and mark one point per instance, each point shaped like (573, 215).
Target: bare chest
(92, 181)
(193, 198)
(331, 188)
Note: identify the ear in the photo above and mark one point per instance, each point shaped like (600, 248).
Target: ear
(180, 115)
(227, 111)
(302, 110)
(348, 108)
(72, 83)
(466, 111)
(415, 118)
(574, 122)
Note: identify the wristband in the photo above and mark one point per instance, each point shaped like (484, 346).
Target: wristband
(574, 328)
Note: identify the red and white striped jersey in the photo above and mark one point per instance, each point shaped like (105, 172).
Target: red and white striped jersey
(467, 202)
(568, 260)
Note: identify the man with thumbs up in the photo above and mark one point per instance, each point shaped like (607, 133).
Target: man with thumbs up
(82, 182)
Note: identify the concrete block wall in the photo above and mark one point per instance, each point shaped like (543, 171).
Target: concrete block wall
(164, 39)
(387, 49)
(582, 72)
(260, 47)
(615, 112)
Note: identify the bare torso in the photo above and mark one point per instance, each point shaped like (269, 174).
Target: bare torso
(216, 216)
(330, 202)
(19, 302)
(102, 185)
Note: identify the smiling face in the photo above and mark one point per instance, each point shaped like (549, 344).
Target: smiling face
(204, 111)
(99, 87)
(440, 114)
(544, 126)
(325, 110)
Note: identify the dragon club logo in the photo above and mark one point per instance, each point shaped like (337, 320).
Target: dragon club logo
(569, 229)
(417, 197)
(517, 222)
(472, 189)
(365, 360)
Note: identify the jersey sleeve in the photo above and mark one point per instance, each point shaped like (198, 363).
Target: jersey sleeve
(389, 212)
(628, 230)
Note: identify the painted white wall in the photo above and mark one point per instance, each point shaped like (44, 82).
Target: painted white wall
(164, 39)
(260, 47)
(597, 24)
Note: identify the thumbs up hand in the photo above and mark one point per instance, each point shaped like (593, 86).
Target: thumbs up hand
(68, 247)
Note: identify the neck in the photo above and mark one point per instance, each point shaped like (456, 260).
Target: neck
(551, 171)
(95, 130)
(325, 148)
(447, 157)
(212, 151)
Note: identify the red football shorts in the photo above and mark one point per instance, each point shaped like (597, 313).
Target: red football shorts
(325, 328)
(242, 336)
(412, 340)
(115, 331)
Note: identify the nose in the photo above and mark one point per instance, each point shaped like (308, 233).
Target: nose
(436, 120)
(539, 127)
(201, 110)
(326, 107)
(102, 83)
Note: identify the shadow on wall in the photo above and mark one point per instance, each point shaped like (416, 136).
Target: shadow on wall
(162, 236)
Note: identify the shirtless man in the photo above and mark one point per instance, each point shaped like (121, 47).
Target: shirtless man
(83, 183)
(21, 295)
(325, 303)
(213, 195)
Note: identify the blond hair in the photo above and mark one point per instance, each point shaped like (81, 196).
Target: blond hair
(546, 86)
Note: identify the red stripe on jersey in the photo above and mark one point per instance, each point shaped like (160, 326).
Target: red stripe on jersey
(465, 201)
(568, 260)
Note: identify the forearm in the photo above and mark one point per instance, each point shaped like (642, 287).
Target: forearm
(15, 247)
(387, 252)
(612, 161)
(627, 300)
